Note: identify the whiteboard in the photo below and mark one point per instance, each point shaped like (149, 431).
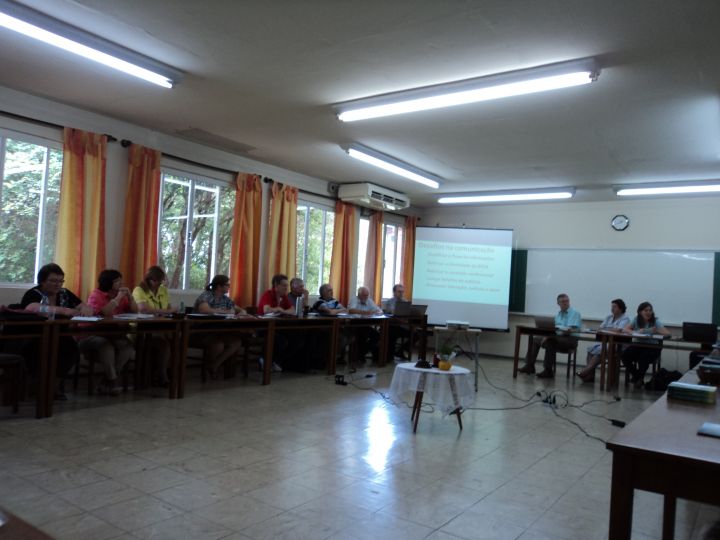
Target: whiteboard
(678, 284)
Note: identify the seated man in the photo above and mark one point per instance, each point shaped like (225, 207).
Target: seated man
(327, 305)
(397, 332)
(567, 318)
(368, 338)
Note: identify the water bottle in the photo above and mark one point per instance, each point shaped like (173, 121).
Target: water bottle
(45, 306)
(299, 307)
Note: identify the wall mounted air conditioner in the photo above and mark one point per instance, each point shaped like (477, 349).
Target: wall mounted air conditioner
(372, 196)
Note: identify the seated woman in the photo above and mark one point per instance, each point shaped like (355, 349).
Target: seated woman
(61, 302)
(218, 347)
(113, 352)
(152, 297)
(615, 322)
(637, 358)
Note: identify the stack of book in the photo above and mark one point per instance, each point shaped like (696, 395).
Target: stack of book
(692, 392)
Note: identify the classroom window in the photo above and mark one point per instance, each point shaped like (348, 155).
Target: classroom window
(30, 169)
(315, 227)
(393, 240)
(195, 229)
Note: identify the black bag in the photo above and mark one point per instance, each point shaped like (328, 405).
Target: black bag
(662, 379)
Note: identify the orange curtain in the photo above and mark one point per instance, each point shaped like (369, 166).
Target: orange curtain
(374, 257)
(142, 208)
(80, 241)
(408, 259)
(282, 233)
(245, 246)
(343, 252)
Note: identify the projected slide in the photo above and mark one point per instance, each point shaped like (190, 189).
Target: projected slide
(463, 274)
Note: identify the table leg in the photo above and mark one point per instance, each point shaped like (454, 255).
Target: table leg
(516, 357)
(603, 358)
(418, 405)
(476, 352)
(669, 506)
(458, 412)
(52, 355)
(621, 498)
(178, 362)
(269, 346)
(333, 347)
(382, 353)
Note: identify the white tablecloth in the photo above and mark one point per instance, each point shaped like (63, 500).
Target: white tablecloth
(448, 390)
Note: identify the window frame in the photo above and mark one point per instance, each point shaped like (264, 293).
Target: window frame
(312, 203)
(194, 177)
(48, 145)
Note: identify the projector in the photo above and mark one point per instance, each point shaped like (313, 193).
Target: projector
(457, 325)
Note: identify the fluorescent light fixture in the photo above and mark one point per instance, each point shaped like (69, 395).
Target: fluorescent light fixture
(511, 196)
(511, 83)
(393, 165)
(684, 188)
(54, 32)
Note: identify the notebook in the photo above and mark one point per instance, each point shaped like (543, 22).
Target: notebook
(548, 323)
(699, 332)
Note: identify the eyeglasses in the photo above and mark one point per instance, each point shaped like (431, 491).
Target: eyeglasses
(56, 281)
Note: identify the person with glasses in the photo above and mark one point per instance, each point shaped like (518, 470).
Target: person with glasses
(152, 298)
(567, 321)
(61, 302)
(217, 347)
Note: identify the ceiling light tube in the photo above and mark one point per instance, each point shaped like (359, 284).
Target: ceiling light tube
(510, 196)
(668, 189)
(393, 165)
(54, 32)
(500, 85)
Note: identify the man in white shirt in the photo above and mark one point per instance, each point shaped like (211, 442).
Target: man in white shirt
(368, 338)
(397, 332)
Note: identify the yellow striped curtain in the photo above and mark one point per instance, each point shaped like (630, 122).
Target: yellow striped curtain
(408, 259)
(375, 257)
(282, 232)
(142, 207)
(245, 246)
(343, 251)
(80, 241)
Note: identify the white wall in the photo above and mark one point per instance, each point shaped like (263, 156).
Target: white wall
(681, 223)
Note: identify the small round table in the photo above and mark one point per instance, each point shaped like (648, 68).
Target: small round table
(450, 390)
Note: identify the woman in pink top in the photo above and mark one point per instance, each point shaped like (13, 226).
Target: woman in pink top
(113, 352)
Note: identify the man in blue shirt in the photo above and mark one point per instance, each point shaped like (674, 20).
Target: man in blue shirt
(567, 320)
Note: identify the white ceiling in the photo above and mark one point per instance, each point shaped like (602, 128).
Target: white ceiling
(264, 74)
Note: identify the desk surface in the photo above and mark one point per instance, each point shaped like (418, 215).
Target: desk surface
(660, 451)
(669, 427)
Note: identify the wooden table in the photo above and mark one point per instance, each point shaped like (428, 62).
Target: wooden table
(661, 452)
(613, 340)
(36, 330)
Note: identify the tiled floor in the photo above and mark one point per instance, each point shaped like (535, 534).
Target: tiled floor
(307, 459)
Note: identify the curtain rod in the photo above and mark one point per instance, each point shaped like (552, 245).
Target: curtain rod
(44, 123)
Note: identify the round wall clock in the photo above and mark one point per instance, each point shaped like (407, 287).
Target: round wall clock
(620, 222)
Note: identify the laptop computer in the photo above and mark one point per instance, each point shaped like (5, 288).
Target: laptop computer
(548, 323)
(408, 309)
(705, 333)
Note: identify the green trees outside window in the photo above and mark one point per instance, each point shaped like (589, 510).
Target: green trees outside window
(29, 196)
(195, 230)
(315, 239)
